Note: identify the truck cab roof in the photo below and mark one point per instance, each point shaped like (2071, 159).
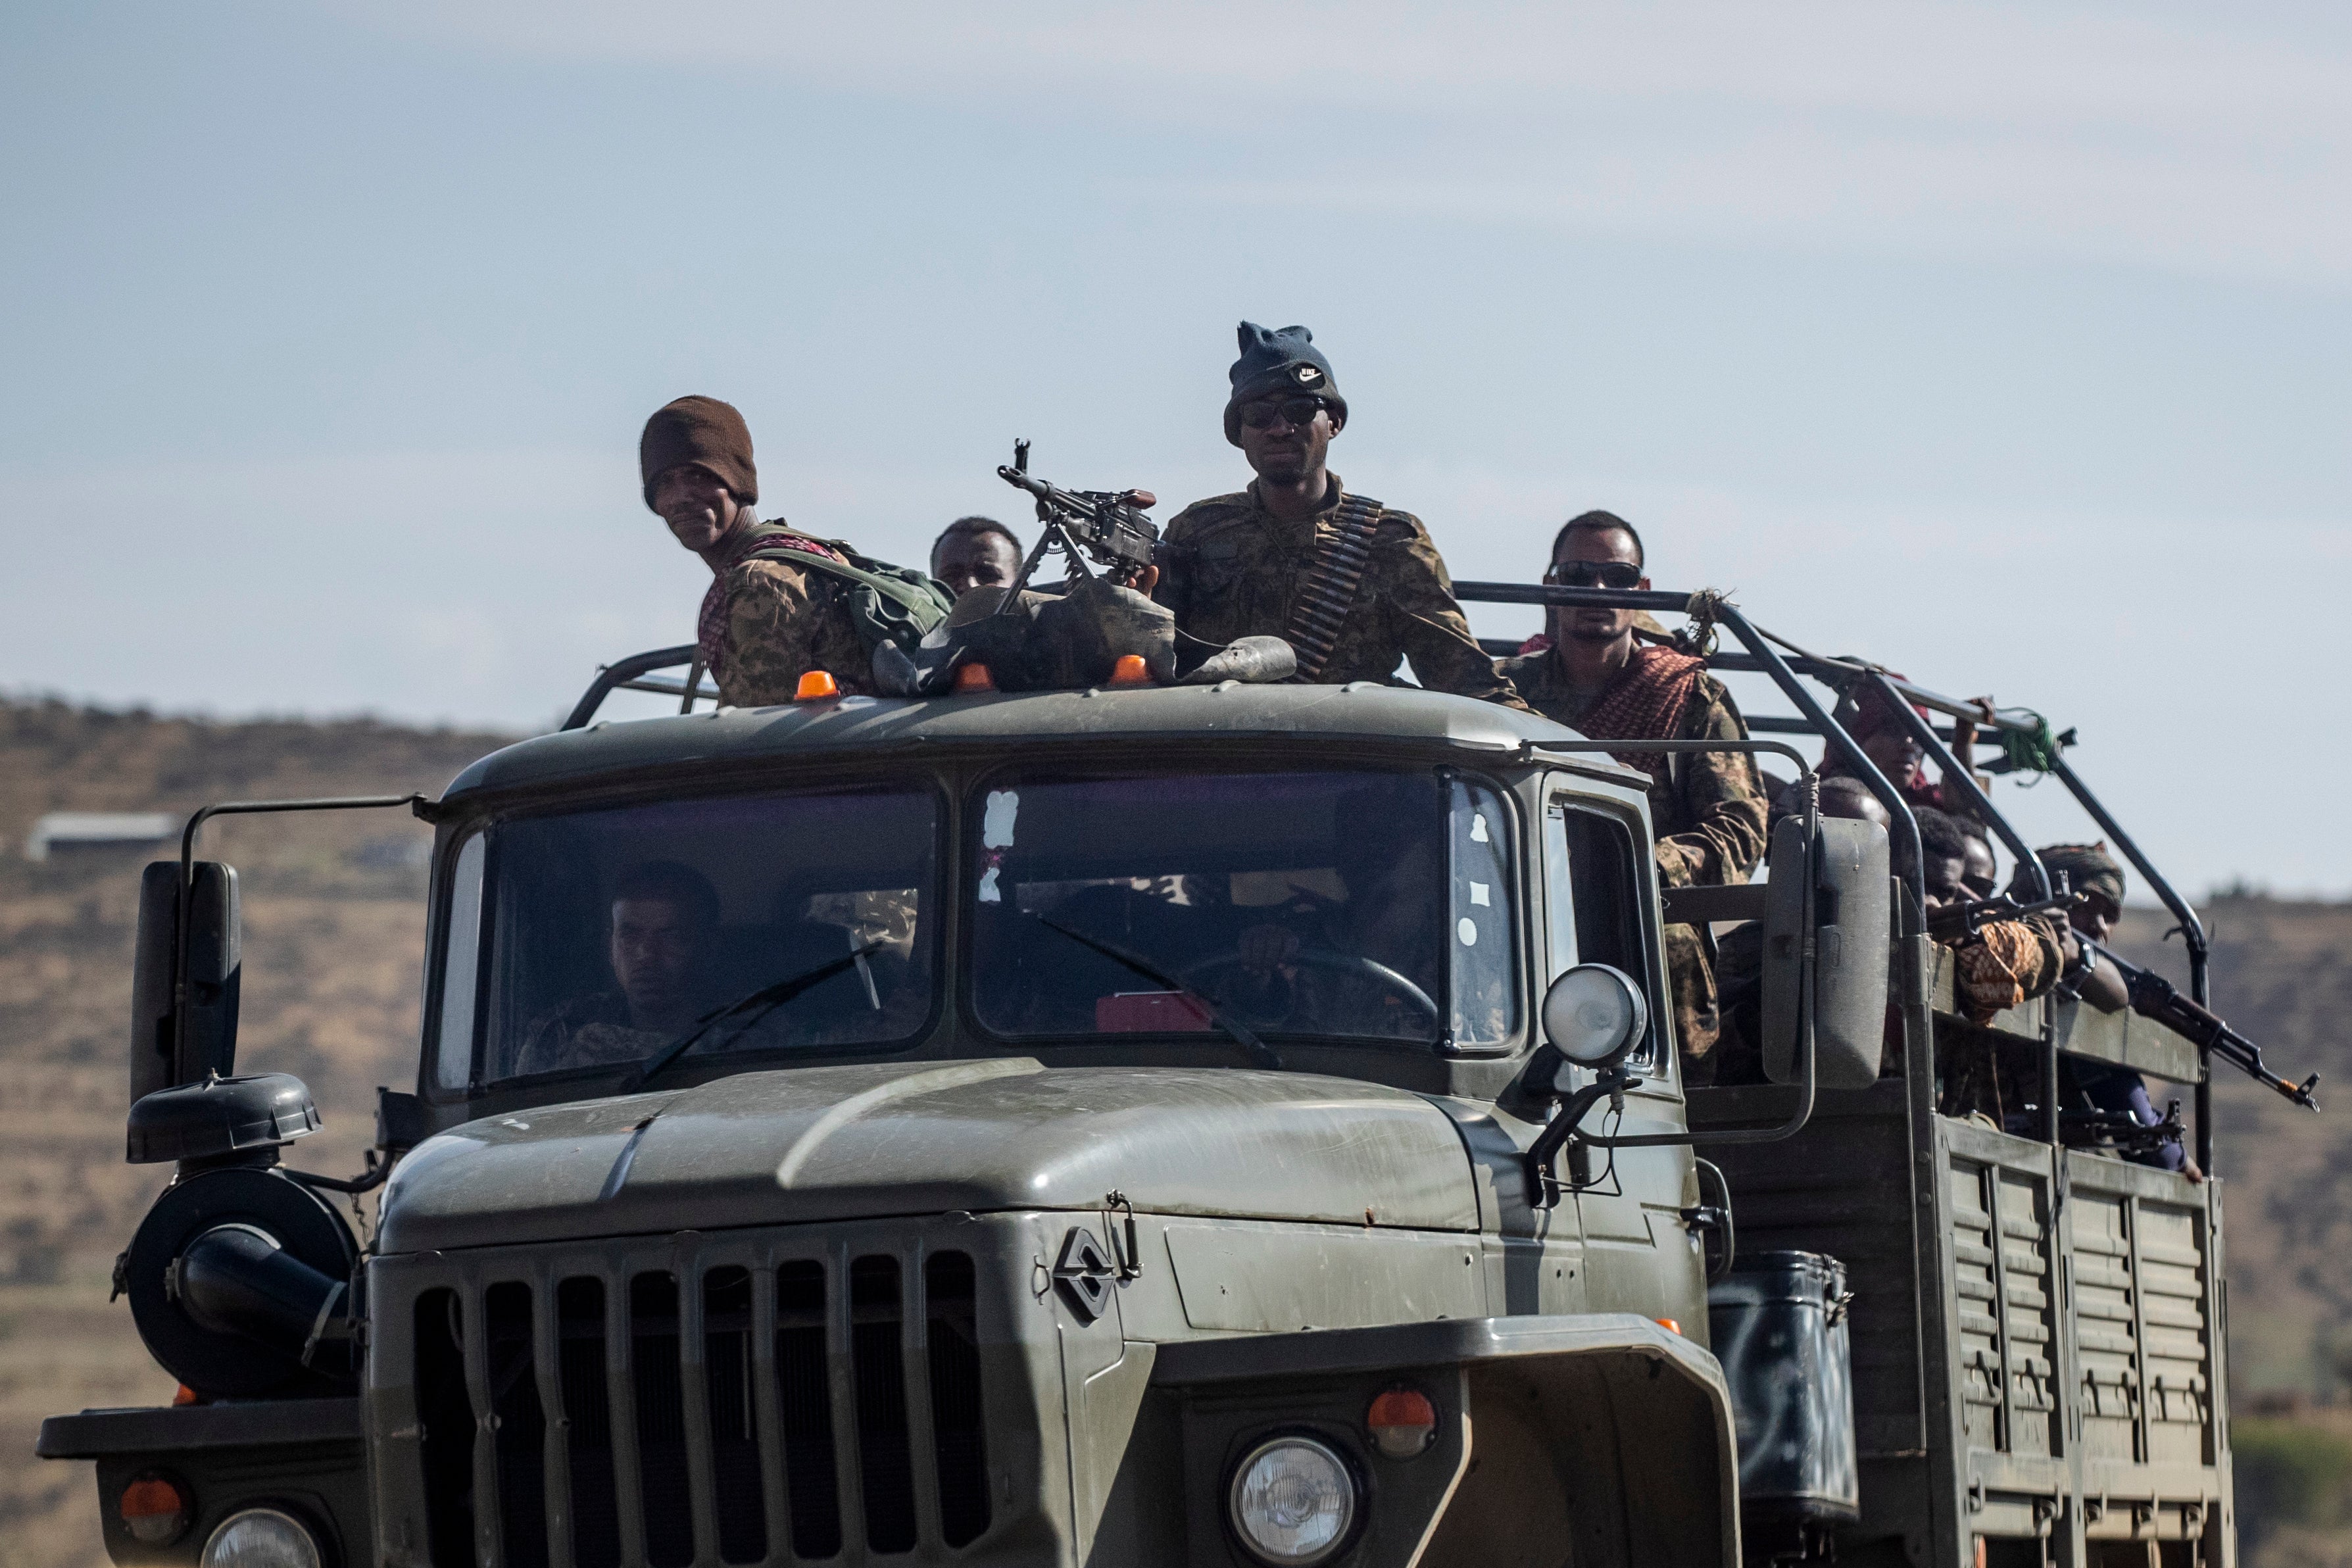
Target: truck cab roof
(1362, 711)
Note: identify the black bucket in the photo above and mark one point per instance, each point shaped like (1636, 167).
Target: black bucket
(1778, 1323)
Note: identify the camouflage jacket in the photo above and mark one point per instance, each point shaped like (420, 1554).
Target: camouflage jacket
(779, 623)
(1708, 808)
(1230, 569)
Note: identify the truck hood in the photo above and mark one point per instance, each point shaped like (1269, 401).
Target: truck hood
(873, 1140)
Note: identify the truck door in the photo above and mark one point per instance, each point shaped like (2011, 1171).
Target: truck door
(1640, 1257)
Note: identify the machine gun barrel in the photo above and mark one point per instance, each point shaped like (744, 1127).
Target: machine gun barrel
(1961, 921)
(2153, 997)
(1051, 495)
(1107, 526)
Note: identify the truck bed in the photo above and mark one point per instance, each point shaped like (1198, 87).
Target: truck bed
(2035, 1332)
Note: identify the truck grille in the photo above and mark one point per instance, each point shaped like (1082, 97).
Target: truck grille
(771, 1411)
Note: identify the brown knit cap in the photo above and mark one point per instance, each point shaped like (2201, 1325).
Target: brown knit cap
(705, 432)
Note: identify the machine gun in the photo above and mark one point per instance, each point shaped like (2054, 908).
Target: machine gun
(1960, 922)
(2154, 996)
(1107, 526)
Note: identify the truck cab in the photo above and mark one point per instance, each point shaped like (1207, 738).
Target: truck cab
(1231, 1124)
(1155, 1131)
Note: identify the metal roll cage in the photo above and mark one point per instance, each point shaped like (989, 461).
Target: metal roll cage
(1848, 677)
(635, 673)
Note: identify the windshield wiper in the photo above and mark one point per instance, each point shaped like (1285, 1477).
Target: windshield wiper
(759, 1004)
(1238, 1032)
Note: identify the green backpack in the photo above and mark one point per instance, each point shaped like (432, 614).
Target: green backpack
(888, 603)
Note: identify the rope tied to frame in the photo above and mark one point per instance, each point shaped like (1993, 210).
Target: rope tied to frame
(2031, 751)
(1705, 608)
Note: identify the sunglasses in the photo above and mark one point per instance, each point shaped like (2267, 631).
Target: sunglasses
(1620, 575)
(1300, 411)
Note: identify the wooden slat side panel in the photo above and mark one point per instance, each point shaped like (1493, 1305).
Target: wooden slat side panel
(2030, 1313)
(2106, 1333)
(2173, 1283)
(1979, 1371)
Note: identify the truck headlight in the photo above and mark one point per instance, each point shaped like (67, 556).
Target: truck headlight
(261, 1538)
(1292, 1501)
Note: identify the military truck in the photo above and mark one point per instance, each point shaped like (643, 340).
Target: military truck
(1236, 1124)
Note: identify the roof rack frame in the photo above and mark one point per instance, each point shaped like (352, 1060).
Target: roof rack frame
(1900, 694)
(626, 675)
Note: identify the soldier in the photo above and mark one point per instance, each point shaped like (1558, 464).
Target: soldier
(658, 944)
(1982, 874)
(765, 622)
(2091, 870)
(1707, 807)
(975, 553)
(2008, 962)
(1355, 588)
(1840, 796)
(1888, 743)
(2003, 965)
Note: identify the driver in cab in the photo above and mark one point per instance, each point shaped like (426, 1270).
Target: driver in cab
(1364, 964)
(663, 916)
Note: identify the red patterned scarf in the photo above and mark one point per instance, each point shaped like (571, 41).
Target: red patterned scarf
(710, 626)
(1646, 703)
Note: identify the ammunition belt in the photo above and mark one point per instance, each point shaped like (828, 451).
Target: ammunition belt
(1327, 592)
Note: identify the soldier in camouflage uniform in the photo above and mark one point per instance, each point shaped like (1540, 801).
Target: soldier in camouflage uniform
(2005, 964)
(663, 915)
(1232, 566)
(1708, 808)
(764, 623)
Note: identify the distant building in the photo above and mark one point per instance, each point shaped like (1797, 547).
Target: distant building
(70, 832)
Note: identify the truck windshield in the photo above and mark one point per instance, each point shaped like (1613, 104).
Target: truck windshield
(1351, 904)
(591, 940)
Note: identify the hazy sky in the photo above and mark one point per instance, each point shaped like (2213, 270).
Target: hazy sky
(2008, 346)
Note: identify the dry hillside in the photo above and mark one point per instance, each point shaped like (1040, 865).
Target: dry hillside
(334, 945)
(334, 930)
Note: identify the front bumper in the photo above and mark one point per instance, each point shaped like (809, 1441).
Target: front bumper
(306, 1457)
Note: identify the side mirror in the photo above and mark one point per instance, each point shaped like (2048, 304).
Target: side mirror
(1593, 1015)
(1848, 867)
(163, 1055)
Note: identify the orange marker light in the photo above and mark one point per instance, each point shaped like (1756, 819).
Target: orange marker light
(1403, 1422)
(1668, 1324)
(816, 686)
(974, 678)
(156, 1508)
(1130, 670)
(186, 1396)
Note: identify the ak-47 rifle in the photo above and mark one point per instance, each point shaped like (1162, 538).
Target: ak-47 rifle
(2154, 996)
(1107, 526)
(2121, 1130)
(1959, 923)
